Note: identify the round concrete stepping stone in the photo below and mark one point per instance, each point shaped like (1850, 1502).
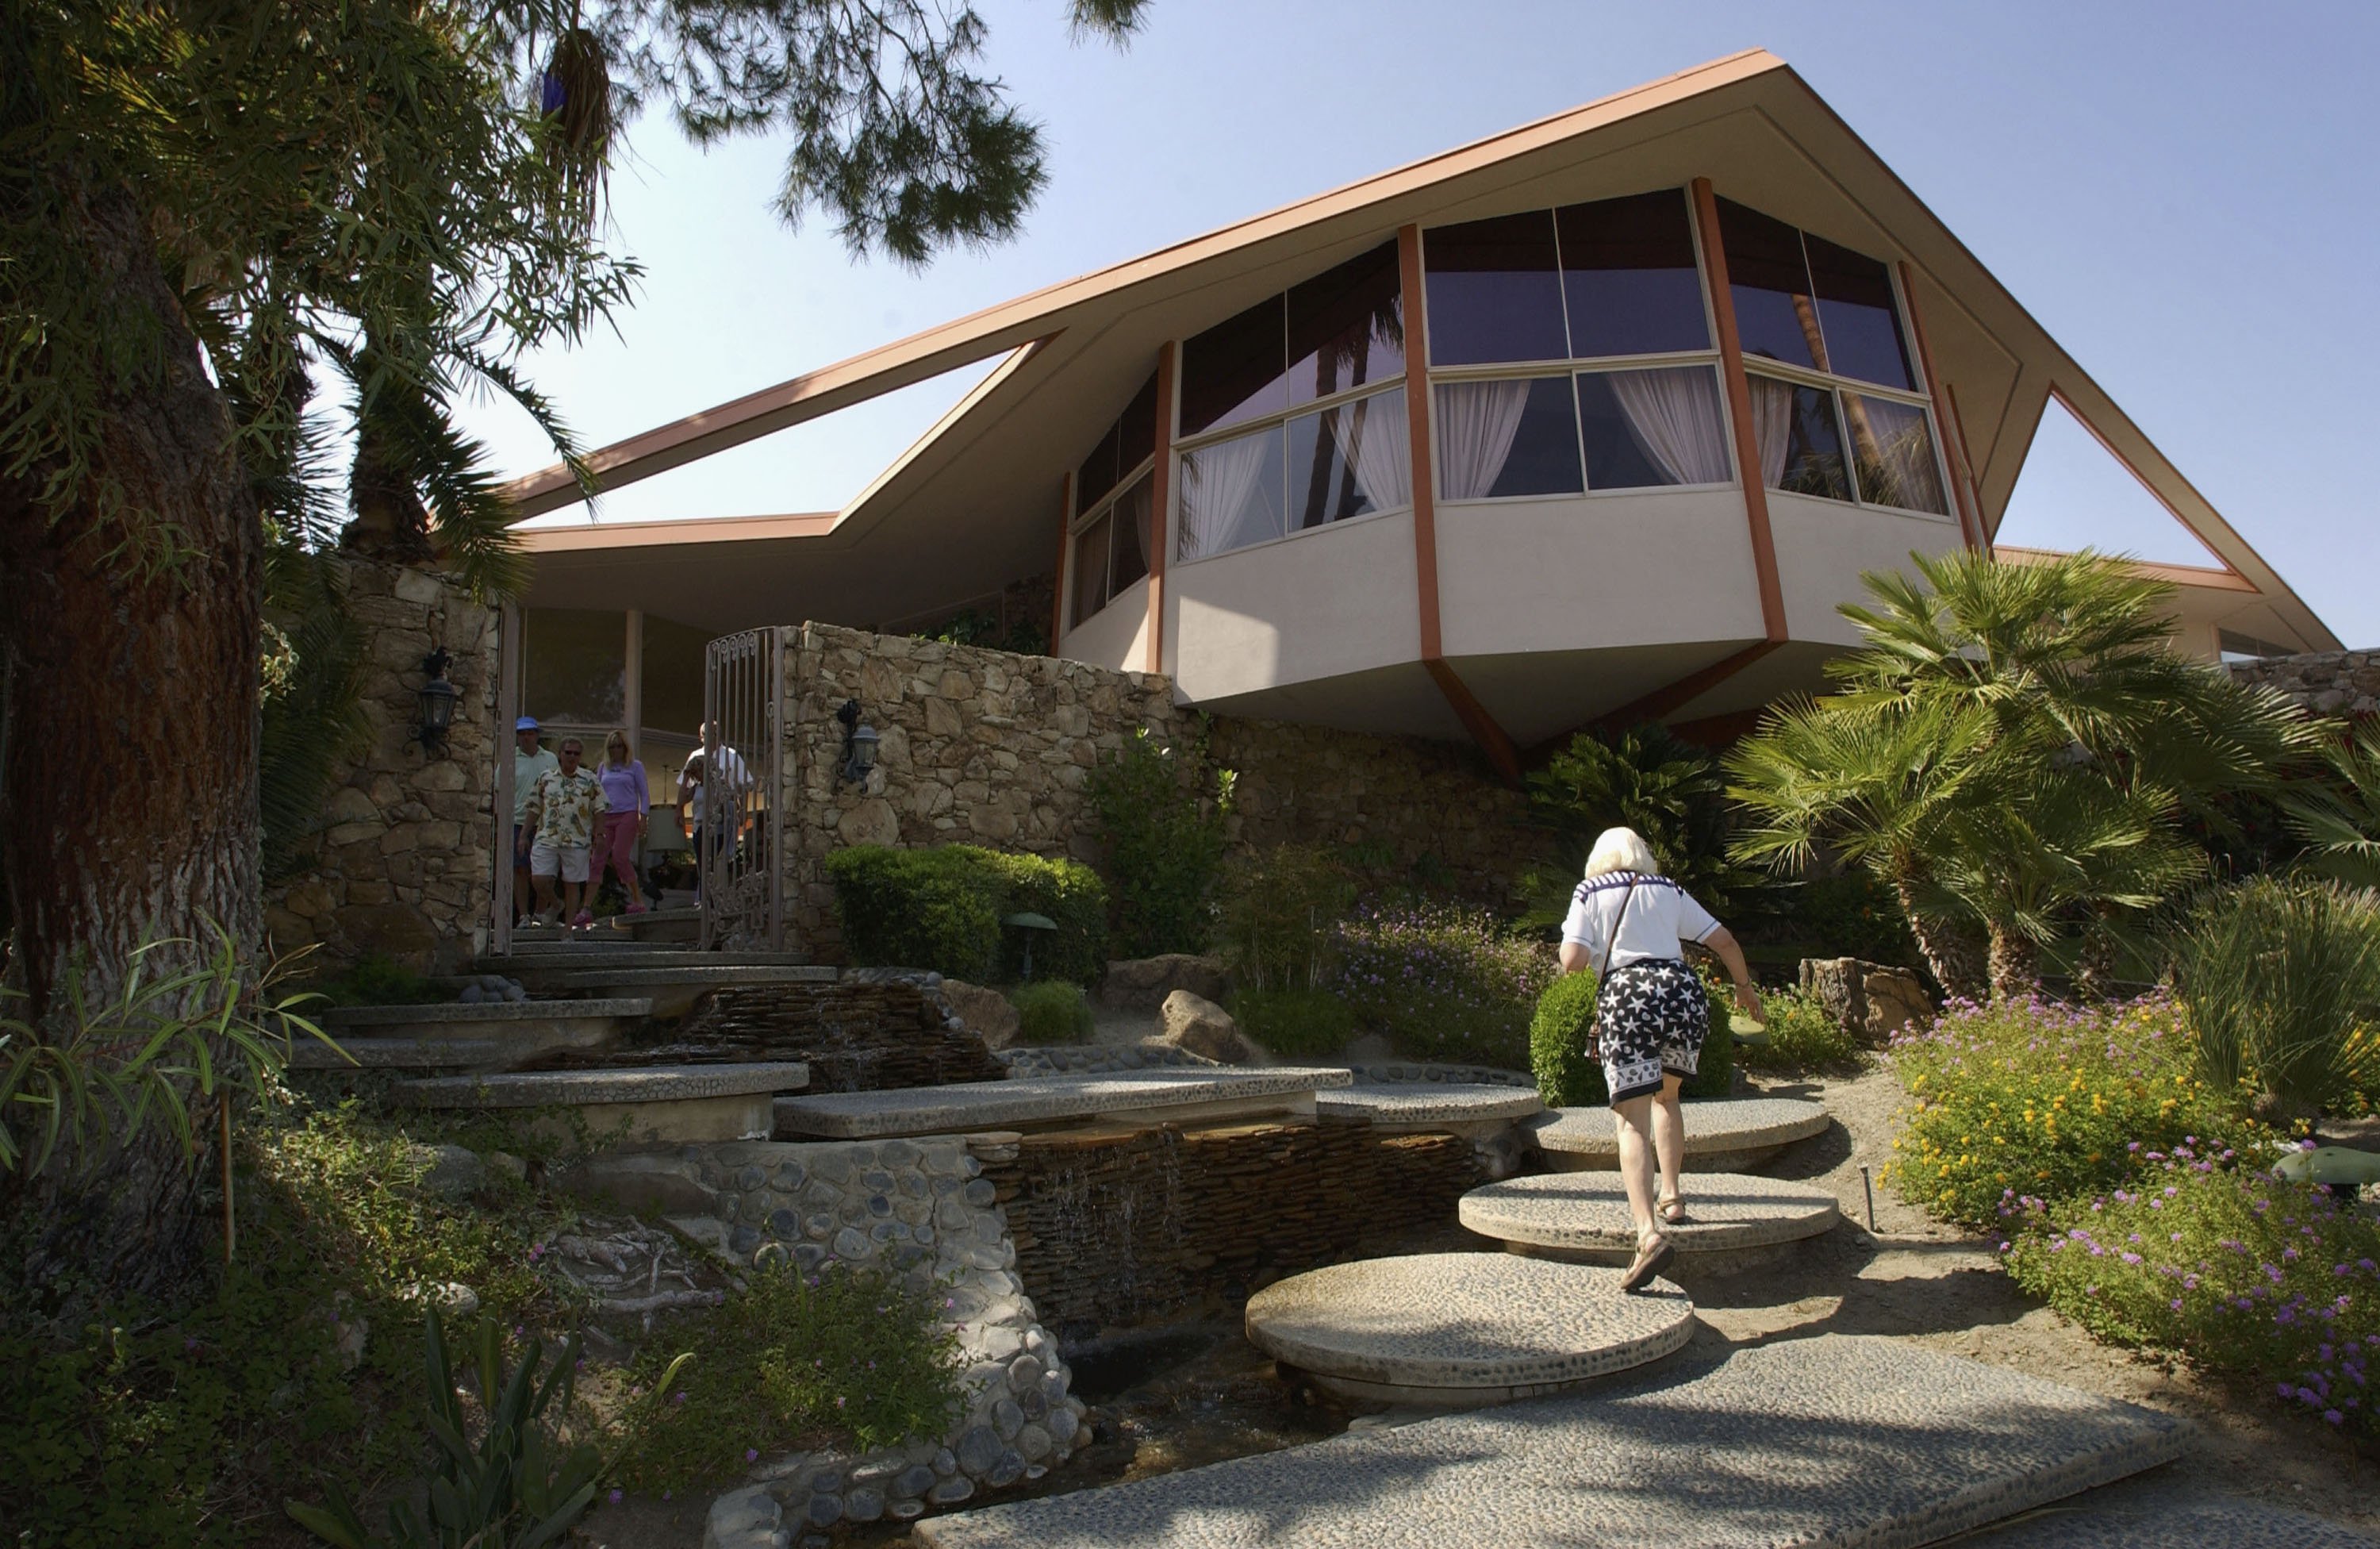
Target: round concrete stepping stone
(1421, 1105)
(1724, 1136)
(655, 1105)
(1463, 1328)
(1733, 1221)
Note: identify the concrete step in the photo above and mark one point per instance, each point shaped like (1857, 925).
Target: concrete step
(1734, 1222)
(600, 954)
(672, 990)
(1830, 1440)
(1042, 1102)
(491, 1035)
(663, 1105)
(1464, 1329)
(1725, 1135)
(675, 927)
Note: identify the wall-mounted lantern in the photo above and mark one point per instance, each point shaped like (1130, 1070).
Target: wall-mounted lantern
(437, 702)
(859, 744)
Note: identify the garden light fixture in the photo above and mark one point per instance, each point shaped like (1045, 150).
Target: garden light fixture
(859, 744)
(437, 702)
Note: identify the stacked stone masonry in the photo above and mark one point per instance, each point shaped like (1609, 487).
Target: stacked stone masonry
(1113, 1229)
(403, 857)
(990, 748)
(2326, 682)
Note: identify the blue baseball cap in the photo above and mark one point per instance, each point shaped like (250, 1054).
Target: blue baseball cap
(526, 723)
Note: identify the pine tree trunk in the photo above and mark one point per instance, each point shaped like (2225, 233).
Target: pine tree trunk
(128, 702)
(1951, 953)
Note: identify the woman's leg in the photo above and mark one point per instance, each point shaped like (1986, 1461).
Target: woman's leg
(1633, 1119)
(1668, 1135)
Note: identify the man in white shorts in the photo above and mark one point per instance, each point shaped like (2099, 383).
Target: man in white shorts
(564, 805)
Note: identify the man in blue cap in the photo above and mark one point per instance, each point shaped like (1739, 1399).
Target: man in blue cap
(529, 762)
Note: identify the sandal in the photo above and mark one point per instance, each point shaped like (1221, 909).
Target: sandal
(1650, 1262)
(1671, 1208)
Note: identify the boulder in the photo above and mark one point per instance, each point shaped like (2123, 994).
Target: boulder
(1198, 1025)
(1143, 984)
(451, 1171)
(985, 1012)
(1873, 1001)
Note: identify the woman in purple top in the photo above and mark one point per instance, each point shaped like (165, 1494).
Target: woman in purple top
(622, 826)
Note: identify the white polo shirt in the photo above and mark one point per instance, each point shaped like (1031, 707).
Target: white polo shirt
(1659, 916)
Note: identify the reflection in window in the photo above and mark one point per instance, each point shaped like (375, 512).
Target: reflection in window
(1856, 315)
(1346, 327)
(1774, 315)
(575, 665)
(1512, 437)
(1099, 472)
(1090, 571)
(1349, 460)
(1800, 449)
(1235, 370)
(1651, 428)
(1628, 277)
(673, 674)
(1232, 493)
(1494, 292)
(2236, 647)
(1894, 454)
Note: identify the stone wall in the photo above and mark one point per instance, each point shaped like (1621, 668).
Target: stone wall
(2327, 682)
(406, 851)
(988, 747)
(1116, 1229)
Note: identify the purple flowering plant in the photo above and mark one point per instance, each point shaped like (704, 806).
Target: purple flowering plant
(1441, 980)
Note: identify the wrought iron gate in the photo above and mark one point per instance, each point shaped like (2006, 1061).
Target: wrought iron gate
(736, 817)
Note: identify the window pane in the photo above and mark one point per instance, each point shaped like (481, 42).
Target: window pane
(1894, 454)
(1628, 271)
(1346, 327)
(673, 669)
(1090, 571)
(1349, 461)
(1130, 535)
(1774, 313)
(1856, 313)
(1649, 428)
(576, 668)
(1500, 438)
(1097, 474)
(1136, 432)
(1232, 494)
(1233, 371)
(1493, 291)
(1801, 450)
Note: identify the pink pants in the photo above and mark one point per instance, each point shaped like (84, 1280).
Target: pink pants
(616, 847)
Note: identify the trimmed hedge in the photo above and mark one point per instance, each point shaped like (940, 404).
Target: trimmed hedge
(1558, 1040)
(942, 908)
(1051, 1011)
(1296, 1024)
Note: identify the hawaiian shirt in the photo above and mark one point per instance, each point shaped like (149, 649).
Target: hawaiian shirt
(566, 806)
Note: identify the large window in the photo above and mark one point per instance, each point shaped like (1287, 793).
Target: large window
(1293, 412)
(1112, 494)
(1835, 405)
(1611, 282)
(576, 667)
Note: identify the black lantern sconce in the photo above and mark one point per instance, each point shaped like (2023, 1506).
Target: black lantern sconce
(437, 700)
(859, 744)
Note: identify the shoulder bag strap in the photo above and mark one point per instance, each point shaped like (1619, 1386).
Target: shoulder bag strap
(1613, 944)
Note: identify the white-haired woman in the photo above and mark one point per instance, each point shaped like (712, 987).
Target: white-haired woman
(1629, 924)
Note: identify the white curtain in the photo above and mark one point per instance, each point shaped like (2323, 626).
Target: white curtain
(1374, 439)
(1673, 416)
(1217, 484)
(1477, 423)
(1772, 425)
(1899, 455)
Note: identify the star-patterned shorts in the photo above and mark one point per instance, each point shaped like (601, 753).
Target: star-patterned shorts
(1650, 1019)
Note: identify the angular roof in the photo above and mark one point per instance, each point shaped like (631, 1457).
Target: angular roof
(977, 495)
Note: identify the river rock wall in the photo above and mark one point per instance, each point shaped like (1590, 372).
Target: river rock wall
(2326, 682)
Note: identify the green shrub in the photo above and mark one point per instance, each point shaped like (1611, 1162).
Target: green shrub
(2279, 977)
(1714, 1072)
(1051, 1011)
(1440, 981)
(1671, 792)
(942, 908)
(1849, 915)
(1558, 1033)
(2027, 1097)
(2229, 1267)
(1802, 1035)
(379, 980)
(1164, 845)
(840, 1358)
(1279, 915)
(1296, 1023)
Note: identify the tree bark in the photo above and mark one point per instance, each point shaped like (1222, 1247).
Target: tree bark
(2015, 962)
(1952, 953)
(128, 703)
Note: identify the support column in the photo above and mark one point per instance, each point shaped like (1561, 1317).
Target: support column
(1492, 738)
(1065, 552)
(1739, 405)
(632, 684)
(508, 708)
(1160, 506)
(1946, 419)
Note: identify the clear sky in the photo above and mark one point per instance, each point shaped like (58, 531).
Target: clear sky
(2180, 192)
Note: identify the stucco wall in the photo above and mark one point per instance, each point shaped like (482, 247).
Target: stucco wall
(405, 849)
(984, 747)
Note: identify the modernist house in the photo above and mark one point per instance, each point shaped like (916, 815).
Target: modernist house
(1598, 418)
